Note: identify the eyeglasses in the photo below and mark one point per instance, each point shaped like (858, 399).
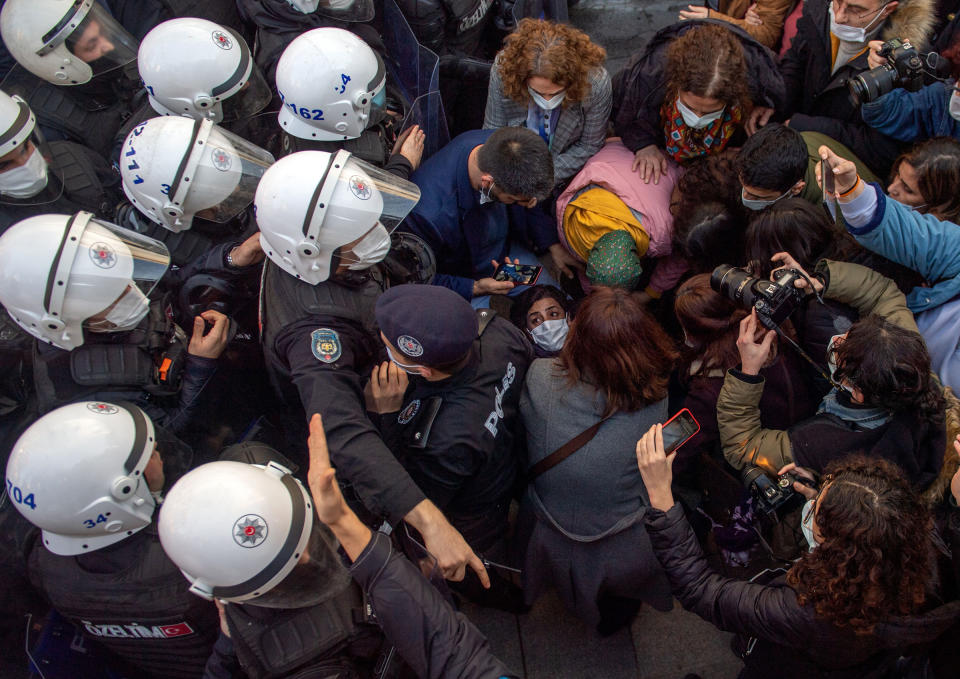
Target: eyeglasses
(855, 11)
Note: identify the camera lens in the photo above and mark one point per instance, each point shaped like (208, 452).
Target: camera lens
(735, 284)
(873, 84)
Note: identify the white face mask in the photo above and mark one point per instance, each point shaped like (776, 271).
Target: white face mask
(486, 196)
(550, 335)
(954, 106)
(806, 524)
(691, 119)
(546, 104)
(761, 204)
(26, 180)
(851, 33)
(304, 6)
(373, 248)
(406, 367)
(125, 314)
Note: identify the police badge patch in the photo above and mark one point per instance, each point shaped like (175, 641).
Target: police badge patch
(409, 412)
(410, 346)
(360, 187)
(250, 530)
(103, 255)
(325, 345)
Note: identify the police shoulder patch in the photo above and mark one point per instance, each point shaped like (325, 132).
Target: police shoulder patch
(409, 412)
(325, 345)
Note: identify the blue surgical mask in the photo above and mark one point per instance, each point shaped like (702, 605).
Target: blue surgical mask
(550, 335)
(380, 98)
(691, 119)
(761, 204)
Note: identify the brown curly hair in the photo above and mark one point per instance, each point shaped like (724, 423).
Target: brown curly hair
(557, 52)
(876, 559)
(709, 62)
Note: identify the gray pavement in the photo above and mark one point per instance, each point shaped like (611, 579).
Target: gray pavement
(549, 642)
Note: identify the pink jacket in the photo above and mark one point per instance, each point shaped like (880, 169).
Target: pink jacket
(610, 169)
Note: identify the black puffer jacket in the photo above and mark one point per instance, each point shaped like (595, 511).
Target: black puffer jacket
(791, 641)
(638, 89)
(820, 102)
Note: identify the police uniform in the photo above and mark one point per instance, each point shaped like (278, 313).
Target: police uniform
(320, 343)
(133, 600)
(457, 436)
(78, 179)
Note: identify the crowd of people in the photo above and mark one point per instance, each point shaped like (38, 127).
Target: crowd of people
(300, 352)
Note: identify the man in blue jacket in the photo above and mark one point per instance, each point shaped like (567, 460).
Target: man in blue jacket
(477, 196)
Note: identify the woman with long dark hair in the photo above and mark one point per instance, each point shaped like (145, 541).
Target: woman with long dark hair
(580, 526)
(847, 608)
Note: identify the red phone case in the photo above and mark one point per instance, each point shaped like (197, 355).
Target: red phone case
(694, 433)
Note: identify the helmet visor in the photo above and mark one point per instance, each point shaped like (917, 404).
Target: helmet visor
(318, 575)
(252, 98)
(125, 262)
(99, 40)
(346, 10)
(227, 175)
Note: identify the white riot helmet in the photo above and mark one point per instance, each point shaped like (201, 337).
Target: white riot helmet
(174, 169)
(238, 531)
(344, 10)
(312, 203)
(332, 85)
(77, 474)
(23, 167)
(62, 273)
(65, 42)
(202, 70)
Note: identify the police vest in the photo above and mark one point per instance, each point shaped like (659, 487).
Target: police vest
(59, 108)
(144, 612)
(371, 146)
(114, 366)
(314, 642)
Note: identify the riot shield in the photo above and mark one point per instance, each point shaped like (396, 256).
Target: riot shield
(427, 112)
(413, 67)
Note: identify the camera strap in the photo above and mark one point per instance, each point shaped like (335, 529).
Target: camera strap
(804, 355)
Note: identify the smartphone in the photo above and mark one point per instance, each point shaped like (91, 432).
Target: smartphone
(521, 274)
(828, 188)
(678, 430)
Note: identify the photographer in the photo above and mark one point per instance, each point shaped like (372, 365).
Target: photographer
(887, 404)
(932, 111)
(848, 608)
(920, 242)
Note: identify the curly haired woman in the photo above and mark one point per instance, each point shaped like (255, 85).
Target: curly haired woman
(690, 92)
(848, 608)
(550, 78)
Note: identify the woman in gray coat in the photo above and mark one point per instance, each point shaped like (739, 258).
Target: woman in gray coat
(550, 78)
(581, 521)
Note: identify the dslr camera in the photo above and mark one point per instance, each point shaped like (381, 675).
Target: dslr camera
(771, 495)
(905, 68)
(773, 300)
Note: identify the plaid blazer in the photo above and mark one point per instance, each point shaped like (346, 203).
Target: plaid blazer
(581, 127)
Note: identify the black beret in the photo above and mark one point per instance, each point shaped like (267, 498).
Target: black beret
(428, 324)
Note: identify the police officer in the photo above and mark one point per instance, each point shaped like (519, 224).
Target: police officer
(333, 87)
(198, 69)
(98, 559)
(454, 428)
(326, 223)
(38, 177)
(279, 22)
(245, 535)
(77, 69)
(190, 183)
(84, 288)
